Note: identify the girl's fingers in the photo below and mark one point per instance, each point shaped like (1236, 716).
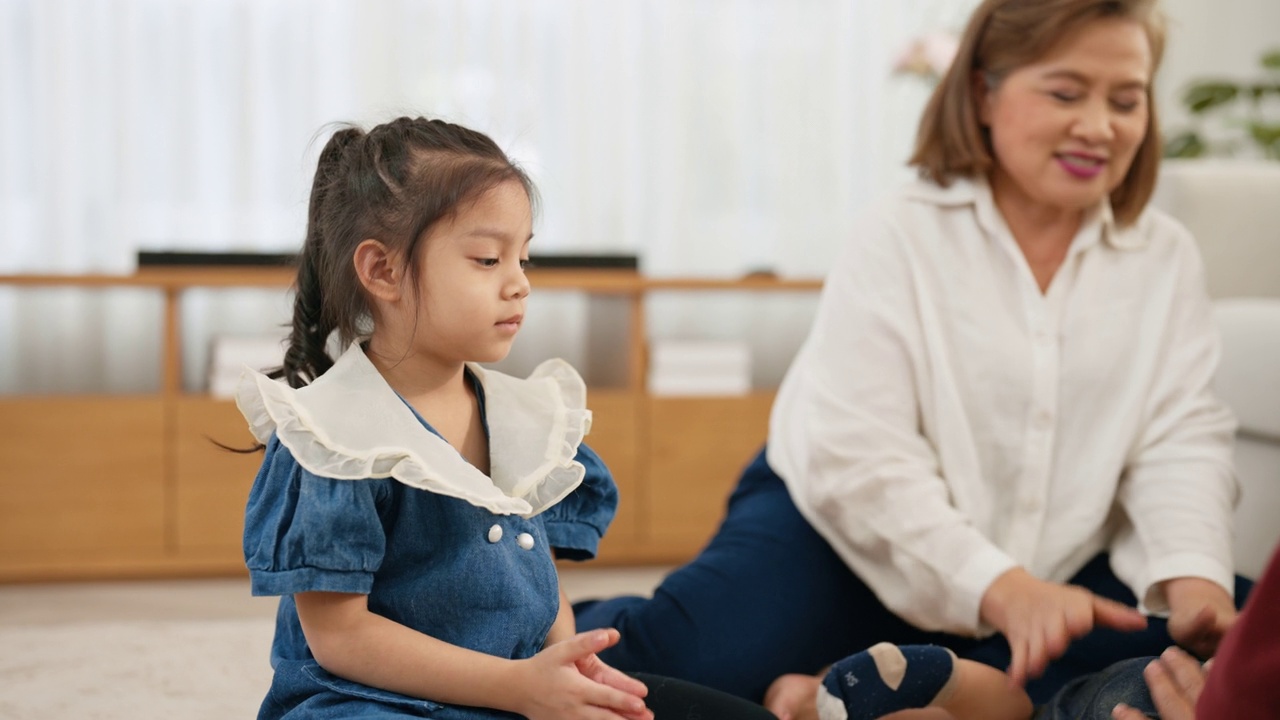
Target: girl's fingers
(1185, 671)
(1171, 700)
(582, 645)
(620, 680)
(603, 696)
(1124, 712)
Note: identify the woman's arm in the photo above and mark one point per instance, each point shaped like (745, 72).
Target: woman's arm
(350, 641)
(1179, 489)
(850, 434)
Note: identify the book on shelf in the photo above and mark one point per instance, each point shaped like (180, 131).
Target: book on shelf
(699, 368)
(230, 354)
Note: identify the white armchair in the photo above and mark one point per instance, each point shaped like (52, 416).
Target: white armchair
(1248, 381)
(1232, 207)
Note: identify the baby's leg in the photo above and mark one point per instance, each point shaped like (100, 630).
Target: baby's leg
(886, 679)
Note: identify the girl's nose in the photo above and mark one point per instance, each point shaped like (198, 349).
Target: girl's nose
(519, 286)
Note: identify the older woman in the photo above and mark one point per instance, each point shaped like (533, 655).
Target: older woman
(999, 435)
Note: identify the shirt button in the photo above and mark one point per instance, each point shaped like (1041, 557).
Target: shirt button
(495, 533)
(1043, 420)
(525, 540)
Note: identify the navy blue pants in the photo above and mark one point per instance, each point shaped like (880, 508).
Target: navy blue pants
(769, 596)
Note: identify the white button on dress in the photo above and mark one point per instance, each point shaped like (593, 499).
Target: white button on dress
(525, 540)
(495, 533)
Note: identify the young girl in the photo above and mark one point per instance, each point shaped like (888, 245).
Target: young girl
(410, 504)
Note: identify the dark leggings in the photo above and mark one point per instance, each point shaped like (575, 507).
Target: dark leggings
(769, 596)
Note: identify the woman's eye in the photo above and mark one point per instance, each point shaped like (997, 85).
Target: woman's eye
(1125, 105)
(1064, 96)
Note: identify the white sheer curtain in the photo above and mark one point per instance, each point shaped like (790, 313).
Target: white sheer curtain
(707, 136)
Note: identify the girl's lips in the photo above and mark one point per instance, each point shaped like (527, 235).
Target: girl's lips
(1081, 166)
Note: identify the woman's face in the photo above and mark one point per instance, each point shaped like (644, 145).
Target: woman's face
(1065, 128)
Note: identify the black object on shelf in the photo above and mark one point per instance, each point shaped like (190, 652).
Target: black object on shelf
(165, 258)
(586, 262)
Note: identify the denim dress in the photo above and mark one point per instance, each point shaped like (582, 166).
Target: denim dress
(447, 566)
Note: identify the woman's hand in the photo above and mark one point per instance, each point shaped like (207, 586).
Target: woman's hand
(1175, 681)
(1040, 618)
(567, 680)
(1200, 613)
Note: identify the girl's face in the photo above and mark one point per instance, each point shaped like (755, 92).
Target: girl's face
(1065, 129)
(472, 286)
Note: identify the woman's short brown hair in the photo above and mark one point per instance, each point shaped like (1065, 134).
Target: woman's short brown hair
(1002, 36)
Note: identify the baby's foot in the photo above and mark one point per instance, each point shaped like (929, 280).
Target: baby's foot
(792, 697)
(884, 679)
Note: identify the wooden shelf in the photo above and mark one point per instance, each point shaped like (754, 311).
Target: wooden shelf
(620, 282)
(100, 486)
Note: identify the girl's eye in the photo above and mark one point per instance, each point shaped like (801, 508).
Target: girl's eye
(486, 262)
(525, 263)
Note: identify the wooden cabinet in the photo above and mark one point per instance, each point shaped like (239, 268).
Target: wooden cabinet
(132, 486)
(83, 483)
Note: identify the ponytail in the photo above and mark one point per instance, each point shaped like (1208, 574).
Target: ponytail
(306, 357)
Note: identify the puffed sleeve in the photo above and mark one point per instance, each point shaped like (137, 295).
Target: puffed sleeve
(575, 524)
(305, 533)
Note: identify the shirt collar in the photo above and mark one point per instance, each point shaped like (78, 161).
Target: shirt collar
(349, 424)
(976, 191)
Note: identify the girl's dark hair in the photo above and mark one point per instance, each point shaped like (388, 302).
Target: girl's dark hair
(392, 183)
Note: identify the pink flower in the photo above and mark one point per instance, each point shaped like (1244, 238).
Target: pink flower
(927, 55)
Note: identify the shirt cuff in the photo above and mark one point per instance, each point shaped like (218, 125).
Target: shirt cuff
(287, 582)
(971, 583)
(1197, 565)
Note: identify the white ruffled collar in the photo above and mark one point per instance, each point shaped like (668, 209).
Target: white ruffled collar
(349, 424)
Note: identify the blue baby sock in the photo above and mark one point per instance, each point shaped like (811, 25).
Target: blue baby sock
(886, 678)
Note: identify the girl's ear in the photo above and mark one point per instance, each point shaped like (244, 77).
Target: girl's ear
(379, 270)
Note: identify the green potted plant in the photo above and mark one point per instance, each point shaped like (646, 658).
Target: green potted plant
(1228, 116)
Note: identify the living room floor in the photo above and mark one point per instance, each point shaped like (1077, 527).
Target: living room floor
(167, 648)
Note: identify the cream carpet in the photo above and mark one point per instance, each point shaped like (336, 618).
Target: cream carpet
(184, 650)
(136, 669)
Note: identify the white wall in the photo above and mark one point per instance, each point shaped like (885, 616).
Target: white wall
(817, 111)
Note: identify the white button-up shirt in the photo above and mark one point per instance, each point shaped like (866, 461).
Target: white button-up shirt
(946, 421)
